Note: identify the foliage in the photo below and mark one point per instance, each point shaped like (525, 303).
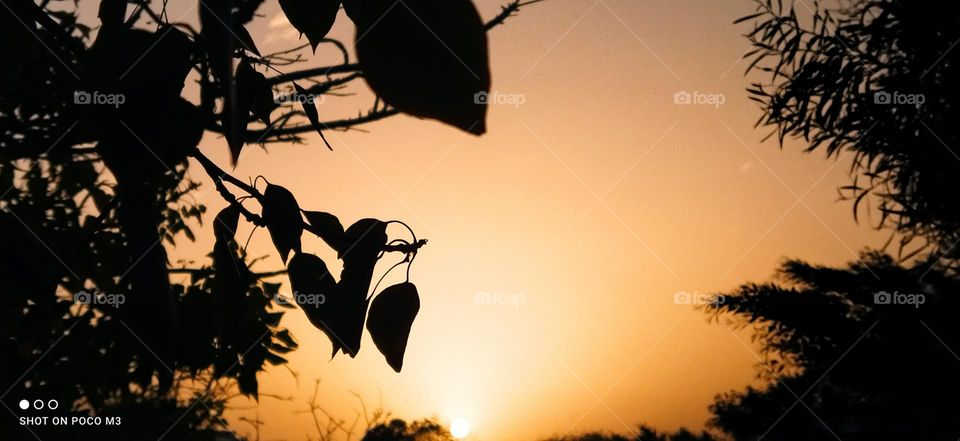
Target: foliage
(874, 79)
(866, 363)
(95, 134)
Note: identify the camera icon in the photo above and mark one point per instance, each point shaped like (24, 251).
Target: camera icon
(480, 97)
(882, 98)
(682, 298)
(281, 300)
(882, 298)
(81, 97)
(682, 97)
(82, 297)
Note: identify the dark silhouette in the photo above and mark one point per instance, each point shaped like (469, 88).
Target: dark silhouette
(96, 136)
(874, 79)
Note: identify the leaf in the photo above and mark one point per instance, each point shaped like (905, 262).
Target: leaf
(310, 109)
(244, 40)
(247, 381)
(363, 242)
(225, 224)
(391, 316)
(282, 216)
(254, 92)
(327, 227)
(308, 276)
(112, 12)
(426, 58)
(313, 18)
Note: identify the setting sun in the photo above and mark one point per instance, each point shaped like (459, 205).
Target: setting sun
(459, 428)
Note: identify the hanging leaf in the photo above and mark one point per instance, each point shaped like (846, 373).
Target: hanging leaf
(244, 40)
(310, 109)
(225, 224)
(282, 216)
(313, 18)
(327, 227)
(363, 242)
(255, 92)
(426, 58)
(391, 316)
(309, 277)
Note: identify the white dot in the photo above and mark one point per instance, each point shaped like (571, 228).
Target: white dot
(459, 428)
(24, 404)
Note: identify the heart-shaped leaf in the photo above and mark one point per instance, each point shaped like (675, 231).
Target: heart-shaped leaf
(282, 216)
(426, 58)
(327, 227)
(312, 18)
(391, 316)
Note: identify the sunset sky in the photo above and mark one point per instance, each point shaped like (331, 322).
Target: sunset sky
(592, 200)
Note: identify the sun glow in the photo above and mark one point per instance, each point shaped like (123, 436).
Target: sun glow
(459, 428)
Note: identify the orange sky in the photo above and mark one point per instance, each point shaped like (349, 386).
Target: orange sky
(593, 203)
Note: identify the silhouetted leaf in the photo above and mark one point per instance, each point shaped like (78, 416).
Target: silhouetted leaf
(112, 12)
(312, 18)
(327, 227)
(391, 316)
(426, 58)
(282, 216)
(309, 276)
(363, 242)
(254, 92)
(247, 381)
(225, 224)
(310, 109)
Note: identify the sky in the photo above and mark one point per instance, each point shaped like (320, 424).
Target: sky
(559, 240)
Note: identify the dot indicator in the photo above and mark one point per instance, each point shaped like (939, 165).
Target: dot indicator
(24, 404)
